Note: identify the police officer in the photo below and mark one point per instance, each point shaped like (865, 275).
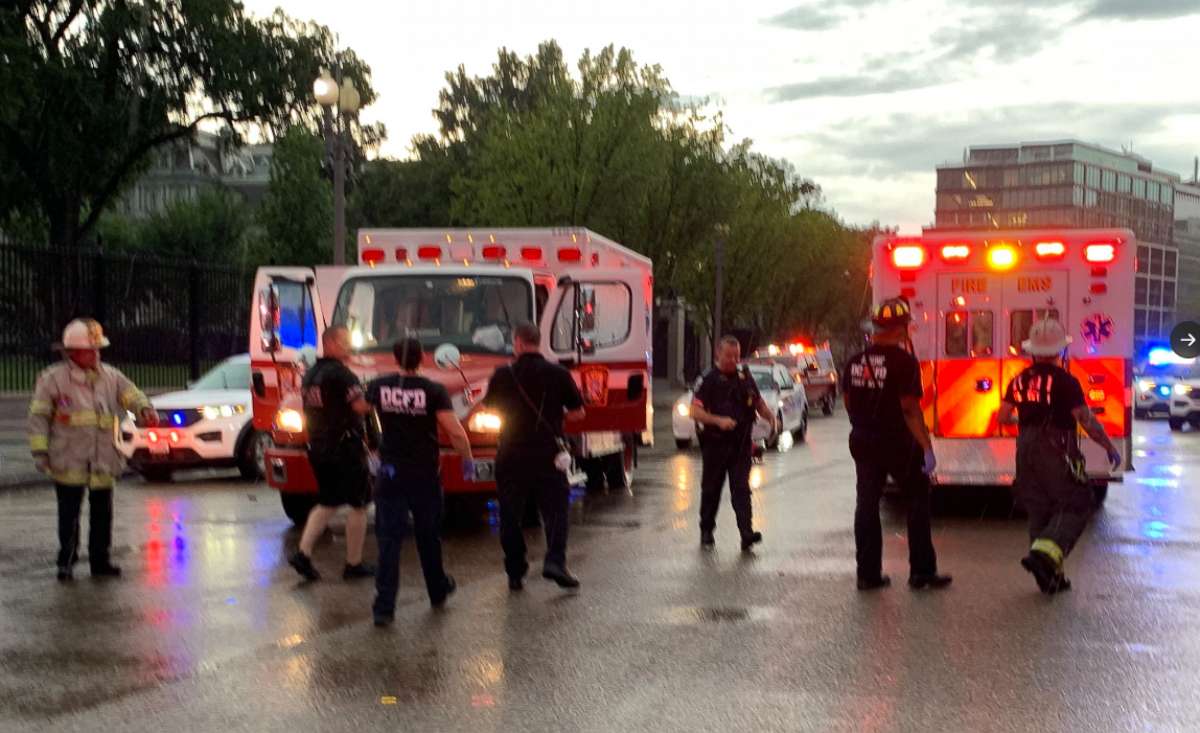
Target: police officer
(410, 408)
(882, 393)
(532, 397)
(334, 407)
(1047, 404)
(725, 404)
(73, 415)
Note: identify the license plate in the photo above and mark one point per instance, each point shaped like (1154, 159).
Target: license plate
(485, 471)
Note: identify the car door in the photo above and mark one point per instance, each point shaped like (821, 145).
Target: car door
(787, 398)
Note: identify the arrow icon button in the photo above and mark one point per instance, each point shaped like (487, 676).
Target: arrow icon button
(1185, 339)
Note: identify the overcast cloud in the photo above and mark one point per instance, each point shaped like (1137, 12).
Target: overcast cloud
(864, 96)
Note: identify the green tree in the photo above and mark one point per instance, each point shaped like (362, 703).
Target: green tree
(296, 217)
(92, 87)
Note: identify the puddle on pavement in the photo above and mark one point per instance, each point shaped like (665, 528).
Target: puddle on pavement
(695, 615)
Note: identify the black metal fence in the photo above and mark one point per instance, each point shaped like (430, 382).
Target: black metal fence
(167, 320)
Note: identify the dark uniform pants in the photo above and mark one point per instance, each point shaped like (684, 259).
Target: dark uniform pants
(100, 507)
(395, 498)
(519, 483)
(721, 460)
(1058, 506)
(875, 458)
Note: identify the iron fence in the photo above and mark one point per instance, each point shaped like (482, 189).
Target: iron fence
(168, 320)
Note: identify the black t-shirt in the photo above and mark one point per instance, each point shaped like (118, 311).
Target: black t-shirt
(550, 388)
(407, 409)
(329, 390)
(729, 395)
(874, 381)
(1045, 394)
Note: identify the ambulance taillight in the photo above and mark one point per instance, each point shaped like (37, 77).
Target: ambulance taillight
(1050, 251)
(1100, 252)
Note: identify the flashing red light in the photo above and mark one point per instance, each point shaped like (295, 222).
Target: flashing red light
(1002, 257)
(1099, 272)
(152, 436)
(429, 252)
(1050, 250)
(174, 437)
(1099, 288)
(956, 252)
(401, 254)
(908, 292)
(908, 257)
(531, 254)
(1100, 252)
(570, 254)
(372, 256)
(494, 252)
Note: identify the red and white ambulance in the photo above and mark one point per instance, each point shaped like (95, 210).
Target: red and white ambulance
(461, 292)
(974, 296)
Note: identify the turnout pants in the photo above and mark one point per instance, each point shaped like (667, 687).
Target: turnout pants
(517, 484)
(875, 458)
(100, 507)
(721, 460)
(1058, 505)
(396, 497)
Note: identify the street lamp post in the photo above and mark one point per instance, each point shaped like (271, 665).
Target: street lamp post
(339, 101)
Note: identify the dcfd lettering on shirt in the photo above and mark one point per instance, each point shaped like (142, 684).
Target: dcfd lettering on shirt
(402, 401)
(870, 373)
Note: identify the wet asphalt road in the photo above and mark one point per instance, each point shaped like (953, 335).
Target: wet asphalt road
(211, 630)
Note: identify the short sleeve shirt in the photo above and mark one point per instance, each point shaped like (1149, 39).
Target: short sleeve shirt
(551, 390)
(407, 407)
(329, 391)
(1045, 394)
(874, 381)
(729, 395)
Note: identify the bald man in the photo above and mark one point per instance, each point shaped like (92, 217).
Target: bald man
(334, 407)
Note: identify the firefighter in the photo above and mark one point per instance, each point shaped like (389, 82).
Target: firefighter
(73, 418)
(725, 404)
(882, 393)
(1047, 404)
(410, 409)
(334, 407)
(533, 396)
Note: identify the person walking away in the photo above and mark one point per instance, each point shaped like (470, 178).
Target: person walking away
(888, 437)
(533, 396)
(410, 408)
(334, 407)
(725, 404)
(73, 417)
(1046, 403)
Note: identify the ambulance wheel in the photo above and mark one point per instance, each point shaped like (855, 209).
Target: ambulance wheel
(617, 469)
(827, 406)
(156, 474)
(252, 454)
(297, 506)
(1100, 491)
(683, 443)
(1176, 423)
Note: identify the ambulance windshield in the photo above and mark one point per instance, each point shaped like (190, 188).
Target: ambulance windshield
(476, 314)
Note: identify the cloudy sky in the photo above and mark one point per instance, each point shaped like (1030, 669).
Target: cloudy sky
(864, 96)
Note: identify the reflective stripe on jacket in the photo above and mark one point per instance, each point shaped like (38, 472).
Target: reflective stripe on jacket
(74, 417)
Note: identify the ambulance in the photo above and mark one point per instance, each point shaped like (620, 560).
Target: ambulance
(974, 296)
(461, 292)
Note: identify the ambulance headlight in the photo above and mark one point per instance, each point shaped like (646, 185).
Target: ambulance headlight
(289, 421)
(1145, 385)
(484, 421)
(1182, 390)
(683, 409)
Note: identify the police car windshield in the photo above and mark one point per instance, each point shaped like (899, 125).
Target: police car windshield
(475, 313)
(764, 379)
(228, 374)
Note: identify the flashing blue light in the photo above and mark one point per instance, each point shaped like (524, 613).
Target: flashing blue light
(177, 418)
(1164, 390)
(1160, 356)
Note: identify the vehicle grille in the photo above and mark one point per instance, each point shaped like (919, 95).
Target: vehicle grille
(179, 418)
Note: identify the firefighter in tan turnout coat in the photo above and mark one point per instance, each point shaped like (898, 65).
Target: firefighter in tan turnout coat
(73, 418)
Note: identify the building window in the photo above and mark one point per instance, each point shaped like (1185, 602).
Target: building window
(1139, 188)
(1139, 291)
(1169, 263)
(1156, 261)
(1108, 181)
(1124, 184)
(1155, 293)
(1093, 177)
(1152, 191)
(1168, 295)
(1139, 322)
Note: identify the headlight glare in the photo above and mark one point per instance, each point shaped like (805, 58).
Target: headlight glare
(484, 421)
(289, 421)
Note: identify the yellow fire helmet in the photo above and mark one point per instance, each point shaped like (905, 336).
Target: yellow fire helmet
(891, 313)
(83, 333)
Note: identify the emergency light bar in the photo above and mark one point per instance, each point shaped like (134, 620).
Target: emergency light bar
(956, 252)
(1050, 251)
(1002, 257)
(908, 256)
(1100, 252)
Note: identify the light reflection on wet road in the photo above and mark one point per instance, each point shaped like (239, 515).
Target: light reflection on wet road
(210, 628)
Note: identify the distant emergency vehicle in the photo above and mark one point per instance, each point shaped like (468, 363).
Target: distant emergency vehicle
(460, 292)
(975, 295)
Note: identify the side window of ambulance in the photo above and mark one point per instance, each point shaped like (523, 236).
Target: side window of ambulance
(541, 294)
(1021, 321)
(297, 318)
(956, 334)
(982, 329)
(605, 317)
